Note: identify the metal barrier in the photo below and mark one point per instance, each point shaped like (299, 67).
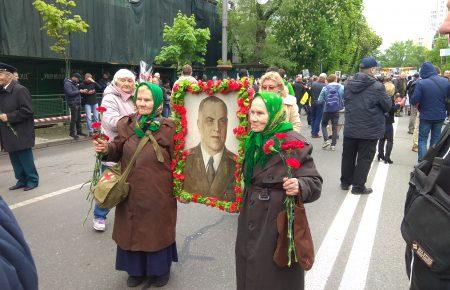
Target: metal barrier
(52, 108)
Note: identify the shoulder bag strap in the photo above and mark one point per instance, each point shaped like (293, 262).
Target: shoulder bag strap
(141, 145)
(440, 88)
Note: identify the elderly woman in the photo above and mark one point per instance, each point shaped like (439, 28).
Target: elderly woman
(272, 82)
(266, 187)
(144, 225)
(118, 103)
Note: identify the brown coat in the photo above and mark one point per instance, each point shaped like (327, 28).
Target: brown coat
(257, 228)
(146, 220)
(195, 175)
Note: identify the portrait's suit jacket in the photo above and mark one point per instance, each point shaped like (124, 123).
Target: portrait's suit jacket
(196, 180)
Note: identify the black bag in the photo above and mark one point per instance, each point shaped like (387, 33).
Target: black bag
(426, 223)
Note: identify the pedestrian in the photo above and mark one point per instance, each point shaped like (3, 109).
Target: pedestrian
(266, 187)
(411, 86)
(73, 99)
(272, 82)
(430, 94)
(331, 97)
(118, 103)
(186, 74)
(166, 106)
(88, 90)
(17, 268)
(316, 107)
(144, 224)
(299, 90)
(104, 81)
(16, 76)
(288, 84)
(17, 129)
(388, 137)
(366, 102)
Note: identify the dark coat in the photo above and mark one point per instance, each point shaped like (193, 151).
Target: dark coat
(366, 102)
(17, 269)
(146, 220)
(72, 93)
(15, 102)
(257, 230)
(89, 99)
(429, 96)
(316, 88)
(196, 180)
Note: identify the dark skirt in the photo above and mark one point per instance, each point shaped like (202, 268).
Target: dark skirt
(137, 263)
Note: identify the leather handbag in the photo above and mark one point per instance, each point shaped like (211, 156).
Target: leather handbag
(302, 238)
(112, 188)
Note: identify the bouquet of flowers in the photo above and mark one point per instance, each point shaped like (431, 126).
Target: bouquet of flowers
(97, 173)
(278, 145)
(8, 124)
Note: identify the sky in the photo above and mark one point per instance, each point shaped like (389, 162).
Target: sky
(398, 20)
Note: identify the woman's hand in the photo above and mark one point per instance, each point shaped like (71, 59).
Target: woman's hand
(100, 146)
(291, 186)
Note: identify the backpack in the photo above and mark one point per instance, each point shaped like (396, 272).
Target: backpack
(333, 101)
(426, 222)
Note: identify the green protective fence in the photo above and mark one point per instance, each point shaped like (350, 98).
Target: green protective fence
(55, 105)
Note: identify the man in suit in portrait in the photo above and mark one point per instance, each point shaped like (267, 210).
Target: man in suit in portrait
(210, 165)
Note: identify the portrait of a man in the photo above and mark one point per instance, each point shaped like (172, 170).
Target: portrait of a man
(210, 165)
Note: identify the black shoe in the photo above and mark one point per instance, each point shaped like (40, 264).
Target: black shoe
(316, 136)
(17, 186)
(366, 190)
(82, 134)
(75, 137)
(161, 281)
(345, 186)
(380, 156)
(409, 132)
(388, 160)
(27, 188)
(134, 281)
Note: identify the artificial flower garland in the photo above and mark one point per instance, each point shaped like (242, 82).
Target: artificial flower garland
(245, 95)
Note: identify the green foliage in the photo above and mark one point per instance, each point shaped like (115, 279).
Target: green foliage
(403, 54)
(299, 34)
(59, 23)
(433, 55)
(186, 44)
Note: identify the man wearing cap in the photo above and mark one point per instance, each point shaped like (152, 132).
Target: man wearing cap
(17, 128)
(73, 99)
(366, 102)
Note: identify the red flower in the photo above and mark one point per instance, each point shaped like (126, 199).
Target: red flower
(293, 163)
(178, 136)
(178, 176)
(221, 207)
(200, 84)
(239, 199)
(209, 83)
(243, 110)
(291, 145)
(280, 135)
(178, 146)
(189, 89)
(105, 137)
(195, 197)
(233, 207)
(101, 109)
(268, 147)
(238, 131)
(175, 88)
(246, 83)
(96, 125)
(251, 93)
(241, 103)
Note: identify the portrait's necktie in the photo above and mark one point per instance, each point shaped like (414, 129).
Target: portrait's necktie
(210, 173)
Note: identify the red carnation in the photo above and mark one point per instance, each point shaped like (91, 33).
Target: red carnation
(243, 110)
(291, 145)
(238, 131)
(195, 197)
(240, 102)
(251, 93)
(101, 109)
(293, 163)
(246, 82)
(105, 137)
(239, 199)
(280, 136)
(210, 83)
(96, 125)
(233, 207)
(268, 146)
(175, 88)
(178, 176)
(190, 89)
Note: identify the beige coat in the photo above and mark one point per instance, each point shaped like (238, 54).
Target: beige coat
(291, 109)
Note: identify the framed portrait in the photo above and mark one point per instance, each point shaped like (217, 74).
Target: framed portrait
(211, 128)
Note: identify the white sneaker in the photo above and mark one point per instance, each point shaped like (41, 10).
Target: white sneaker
(326, 144)
(99, 225)
(333, 148)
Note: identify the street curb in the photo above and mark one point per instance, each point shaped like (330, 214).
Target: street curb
(54, 143)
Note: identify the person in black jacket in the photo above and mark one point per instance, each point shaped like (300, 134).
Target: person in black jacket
(17, 269)
(366, 102)
(17, 129)
(88, 90)
(73, 99)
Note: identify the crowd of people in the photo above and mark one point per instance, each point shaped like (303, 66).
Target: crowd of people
(364, 105)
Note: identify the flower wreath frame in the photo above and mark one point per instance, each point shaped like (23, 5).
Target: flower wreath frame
(245, 94)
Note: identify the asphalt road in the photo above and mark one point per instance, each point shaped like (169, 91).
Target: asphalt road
(357, 239)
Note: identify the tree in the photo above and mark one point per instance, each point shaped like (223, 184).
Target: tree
(433, 55)
(403, 54)
(186, 44)
(59, 23)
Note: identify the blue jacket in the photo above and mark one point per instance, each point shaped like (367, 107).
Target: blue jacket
(429, 96)
(73, 96)
(366, 102)
(17, 269)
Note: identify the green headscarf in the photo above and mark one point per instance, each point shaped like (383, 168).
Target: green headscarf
(277, 123)
(148, 122)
